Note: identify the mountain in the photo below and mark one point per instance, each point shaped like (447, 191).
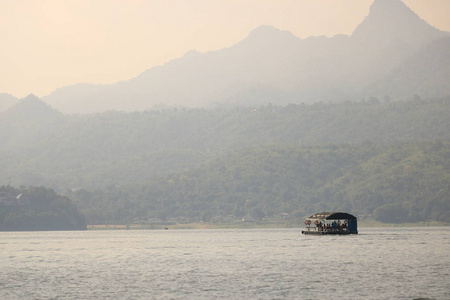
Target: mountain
(31, 107)
(27, 123)
(6, 101)
(193, 80)
(426, 73)
(184, 162)
(114, 148)
(367, 180)
(37, 208)
(390, 21)
(269, 65)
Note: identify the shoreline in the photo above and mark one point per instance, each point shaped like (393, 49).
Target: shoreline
(255, 225)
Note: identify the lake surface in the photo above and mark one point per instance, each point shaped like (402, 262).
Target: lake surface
(379, 263)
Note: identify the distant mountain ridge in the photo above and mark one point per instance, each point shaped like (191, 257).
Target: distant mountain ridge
(31, 107)
(271, 65)
(6, 101)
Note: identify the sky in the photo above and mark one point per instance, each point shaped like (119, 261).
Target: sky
(47, 44)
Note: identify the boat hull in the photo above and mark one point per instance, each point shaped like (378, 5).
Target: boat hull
(328, 232)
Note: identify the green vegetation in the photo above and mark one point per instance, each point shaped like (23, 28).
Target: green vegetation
(384, 160)
(400, 183)
(37, 208)
(113, 148)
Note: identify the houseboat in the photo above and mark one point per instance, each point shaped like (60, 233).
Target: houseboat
(331, 223)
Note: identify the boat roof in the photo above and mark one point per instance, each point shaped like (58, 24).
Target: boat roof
(333, 216)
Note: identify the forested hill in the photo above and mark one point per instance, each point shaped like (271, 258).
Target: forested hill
(37, 208)
(115, 148)
(397, 183)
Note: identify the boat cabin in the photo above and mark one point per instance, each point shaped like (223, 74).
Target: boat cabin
(331, 223)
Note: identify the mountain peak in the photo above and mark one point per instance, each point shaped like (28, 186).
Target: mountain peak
(267, 33)
(31, 98)
(391, 20)
(264, 30)
(389, 6)
(32, 107)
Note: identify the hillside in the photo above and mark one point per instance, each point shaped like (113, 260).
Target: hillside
(365, 157)
(426, 73)
(113, 148)
(402, 183)
(37, 208)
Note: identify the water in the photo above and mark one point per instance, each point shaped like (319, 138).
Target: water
(379, 263)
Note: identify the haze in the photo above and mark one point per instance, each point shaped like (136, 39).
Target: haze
(49, 44)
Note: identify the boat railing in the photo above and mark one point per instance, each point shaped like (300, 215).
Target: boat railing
(314, 228)
(327, 226)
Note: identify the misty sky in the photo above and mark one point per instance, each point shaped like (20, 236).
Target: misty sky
(46, 44)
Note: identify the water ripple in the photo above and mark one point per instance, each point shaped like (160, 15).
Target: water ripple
(226, 264)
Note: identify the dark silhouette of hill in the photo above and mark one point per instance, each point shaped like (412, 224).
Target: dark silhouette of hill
(37, 208)
(269, 66)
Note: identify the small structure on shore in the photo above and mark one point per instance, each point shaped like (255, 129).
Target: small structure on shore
(331, 223)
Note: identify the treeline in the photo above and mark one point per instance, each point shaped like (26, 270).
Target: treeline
(37, 208)
(377, 158)
(45, 148)
(405, 182)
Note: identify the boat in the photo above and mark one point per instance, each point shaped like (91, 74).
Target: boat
(324, 223)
